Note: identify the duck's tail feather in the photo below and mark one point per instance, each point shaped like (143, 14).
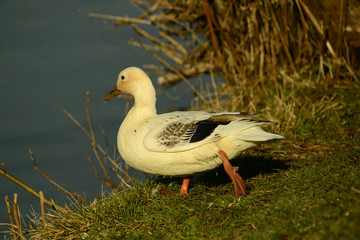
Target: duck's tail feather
(258, 135)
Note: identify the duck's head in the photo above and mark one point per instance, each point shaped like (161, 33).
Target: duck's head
(133, 81)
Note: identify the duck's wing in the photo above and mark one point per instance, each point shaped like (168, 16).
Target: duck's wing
(181, 131)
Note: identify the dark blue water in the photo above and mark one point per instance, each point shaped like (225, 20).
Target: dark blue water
(50, 55)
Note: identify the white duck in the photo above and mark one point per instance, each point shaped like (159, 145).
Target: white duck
(181, 143)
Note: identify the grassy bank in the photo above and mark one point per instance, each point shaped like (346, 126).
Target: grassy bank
(303, 188)
(306, 187)
(314, 196)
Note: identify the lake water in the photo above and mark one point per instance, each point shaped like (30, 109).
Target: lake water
(51, 55)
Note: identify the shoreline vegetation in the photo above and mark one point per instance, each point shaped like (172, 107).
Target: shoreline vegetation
(285, 58)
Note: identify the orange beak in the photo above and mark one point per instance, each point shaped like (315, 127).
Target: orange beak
(113, 93)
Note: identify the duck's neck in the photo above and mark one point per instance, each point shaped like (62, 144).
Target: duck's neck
(145, 101)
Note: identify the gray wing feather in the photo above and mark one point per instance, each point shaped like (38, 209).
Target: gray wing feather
(181, 131)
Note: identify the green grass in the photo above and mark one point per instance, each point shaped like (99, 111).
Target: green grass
(315, 196)
(307, 187)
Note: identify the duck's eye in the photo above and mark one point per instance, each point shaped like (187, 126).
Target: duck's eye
(122, 77)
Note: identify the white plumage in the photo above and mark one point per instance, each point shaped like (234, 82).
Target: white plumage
(181, 143)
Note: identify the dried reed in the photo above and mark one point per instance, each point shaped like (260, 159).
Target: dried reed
(106, 180)
(264, 50)
(13, 212)
(16, 229)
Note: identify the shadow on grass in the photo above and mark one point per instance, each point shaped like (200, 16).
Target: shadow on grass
(249, 167)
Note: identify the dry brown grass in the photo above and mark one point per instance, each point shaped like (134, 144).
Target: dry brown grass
(272, 55)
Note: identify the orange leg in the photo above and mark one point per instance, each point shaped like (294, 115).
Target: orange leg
(183, 190)
(239, 185)
(185, 186)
